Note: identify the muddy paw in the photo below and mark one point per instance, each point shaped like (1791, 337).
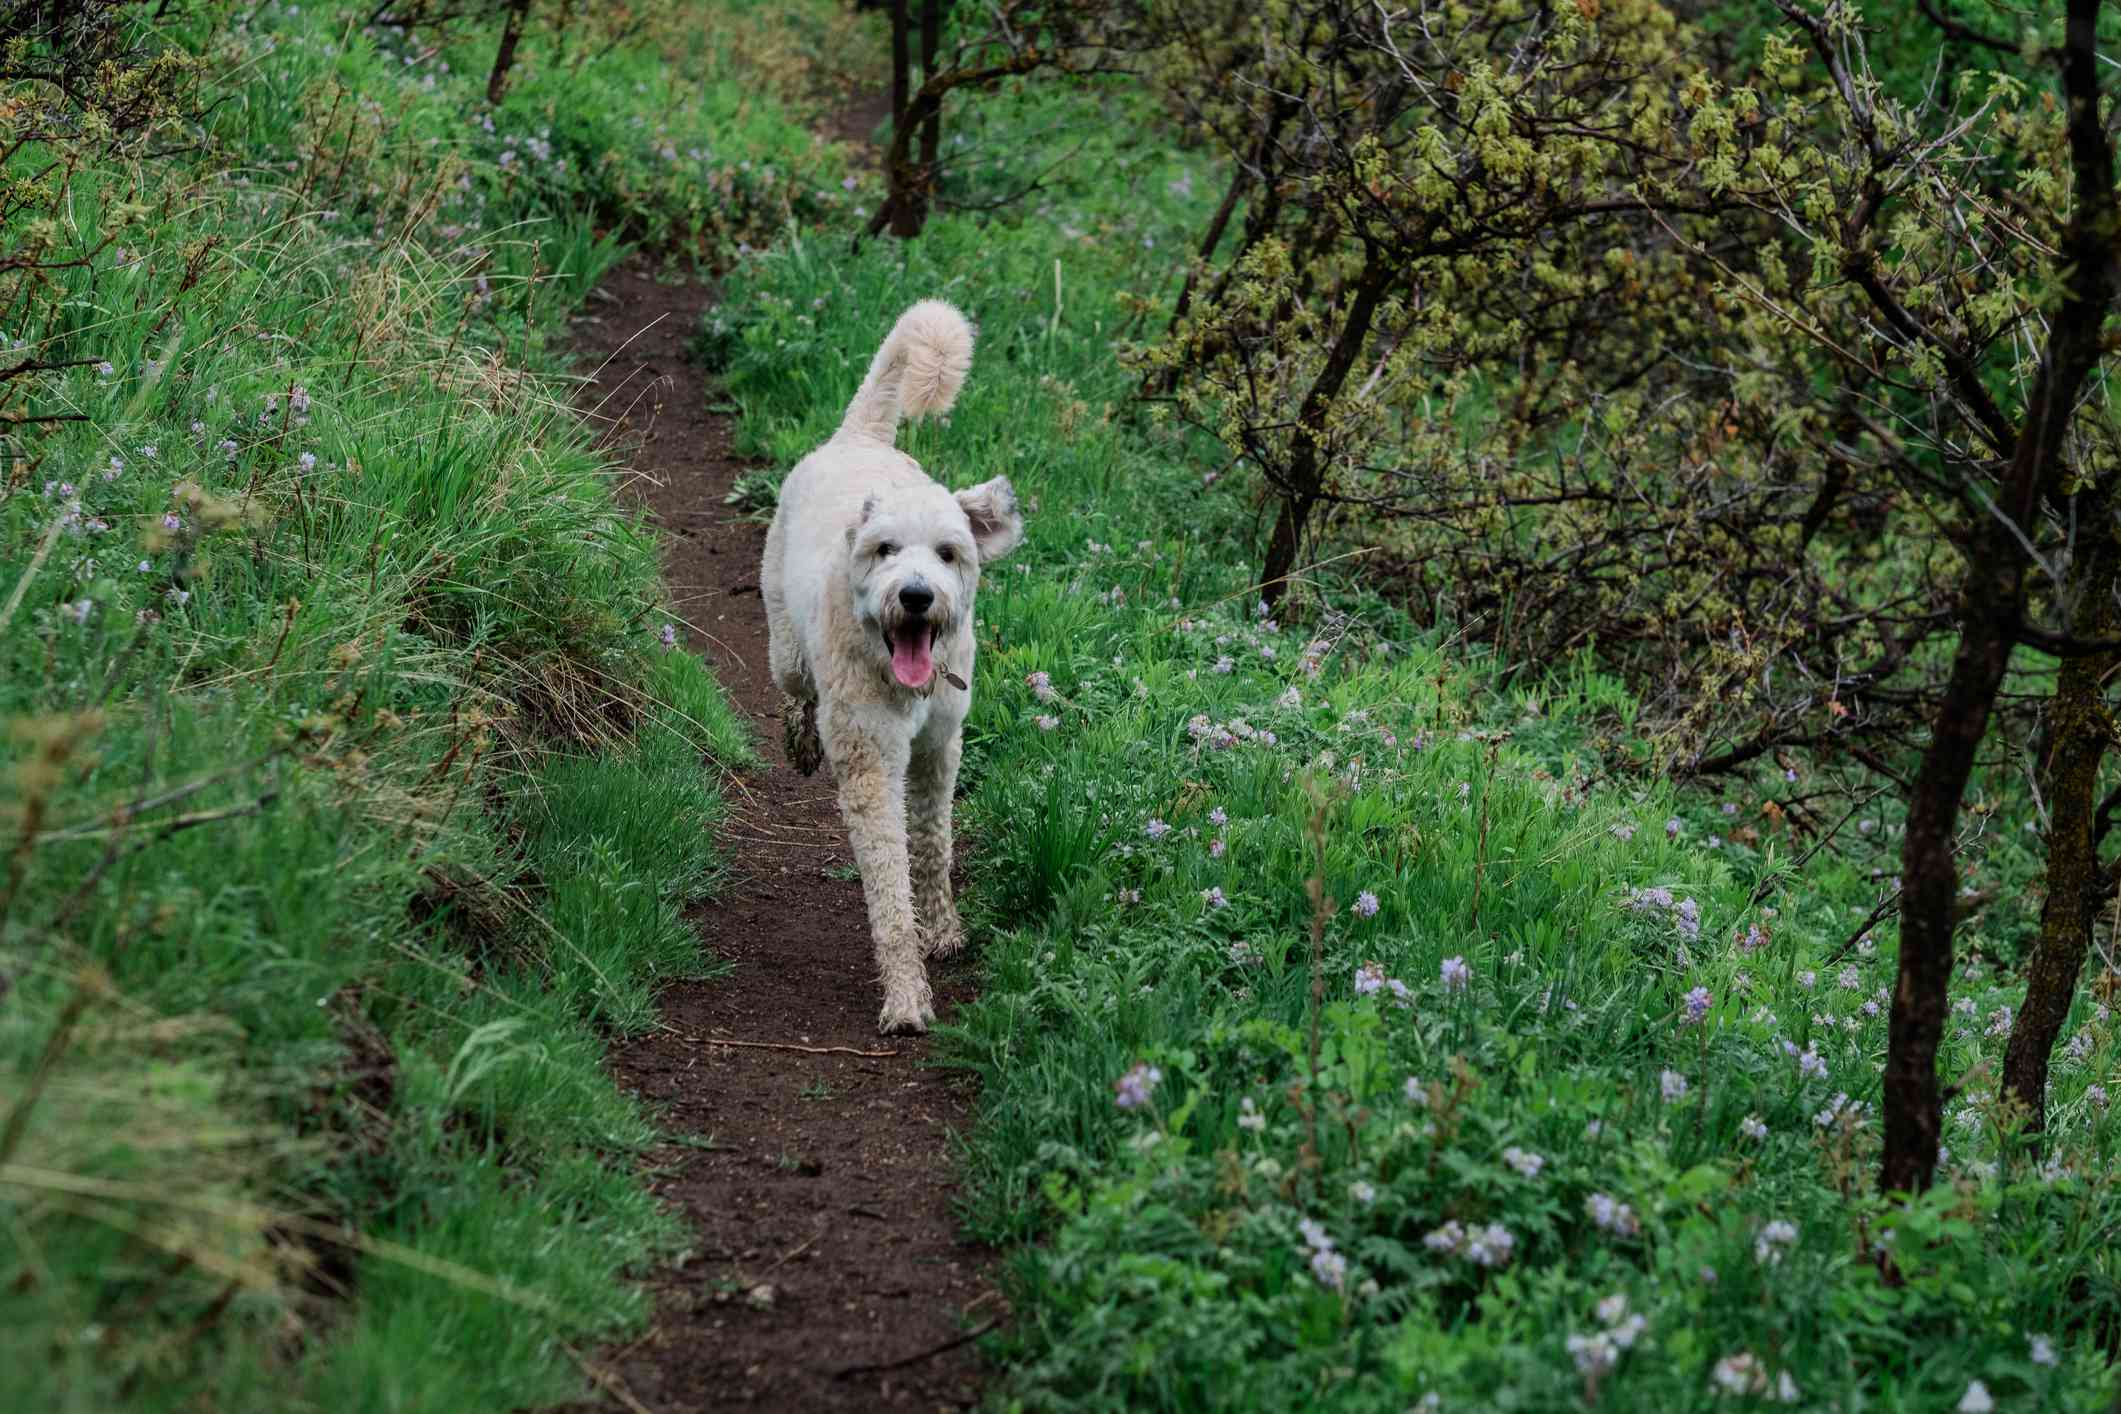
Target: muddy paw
(906, 1014)
(946, 941)
(906, 1021)
(799, 735)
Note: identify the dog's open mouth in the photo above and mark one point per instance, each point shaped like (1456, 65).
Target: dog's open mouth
(912, 653)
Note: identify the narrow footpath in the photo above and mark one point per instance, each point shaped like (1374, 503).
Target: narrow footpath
(827, 1272)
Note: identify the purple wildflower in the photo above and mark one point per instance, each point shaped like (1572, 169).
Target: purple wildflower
(1609, 1213)
(1490, 1246)
(1698, 1002)
(1131, 1091)
(1775, 1239)
(1330, 1268)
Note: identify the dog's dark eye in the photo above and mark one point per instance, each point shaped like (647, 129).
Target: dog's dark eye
(885, 550)
(947, 555)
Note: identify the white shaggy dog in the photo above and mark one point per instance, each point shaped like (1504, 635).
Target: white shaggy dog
(868, 580)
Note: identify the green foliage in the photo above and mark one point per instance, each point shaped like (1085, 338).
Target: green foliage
(1146, 753)
(1622, 383)
(353, 798)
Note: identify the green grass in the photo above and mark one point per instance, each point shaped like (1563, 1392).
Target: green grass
(353, 800)
(1144, 823)
(344, 835)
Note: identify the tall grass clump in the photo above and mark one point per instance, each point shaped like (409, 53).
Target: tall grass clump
(353, 787)
(1357, 1031)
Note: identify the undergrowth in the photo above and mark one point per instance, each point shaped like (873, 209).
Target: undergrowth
(354, 789)
(1352, 1035)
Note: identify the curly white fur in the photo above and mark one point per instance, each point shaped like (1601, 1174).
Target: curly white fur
(916, 372)
(868, 578)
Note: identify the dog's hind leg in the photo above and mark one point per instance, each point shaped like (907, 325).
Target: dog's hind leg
(784, 657)
(784, 654)
(871, 770)
(931, 781)
(799, 734)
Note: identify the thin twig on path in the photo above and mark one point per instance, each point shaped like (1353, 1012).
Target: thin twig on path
(949, 1345)
(791, 1254)
(784, 844)
(781, 1046)
(608, 1381)
(776, 827)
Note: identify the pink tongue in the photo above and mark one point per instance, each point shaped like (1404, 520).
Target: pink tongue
(912, 659)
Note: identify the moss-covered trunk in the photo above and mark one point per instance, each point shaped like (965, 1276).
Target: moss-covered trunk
(2080, 727)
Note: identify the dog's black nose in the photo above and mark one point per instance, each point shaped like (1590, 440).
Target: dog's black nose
(915, 598)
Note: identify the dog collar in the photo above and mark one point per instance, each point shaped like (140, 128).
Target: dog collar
(943, 674)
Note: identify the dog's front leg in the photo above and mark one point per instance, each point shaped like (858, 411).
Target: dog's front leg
(871, 770)
(931, 782)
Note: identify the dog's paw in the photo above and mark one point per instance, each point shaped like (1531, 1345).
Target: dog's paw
(799, 735)
(904, 1017)
(909, 1006)
(947, 940)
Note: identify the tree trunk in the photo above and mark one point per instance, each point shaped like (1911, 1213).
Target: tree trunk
(902, 207)
(1991, 613)
(907, 209)
(932, 125)
(2081, 727)
(901, 61)
(1993, 600)
(504, 58)
(1303, 487)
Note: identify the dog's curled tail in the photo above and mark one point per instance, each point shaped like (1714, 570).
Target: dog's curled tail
(917, 372)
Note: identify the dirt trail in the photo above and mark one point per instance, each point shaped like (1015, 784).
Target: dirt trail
(818, 1185)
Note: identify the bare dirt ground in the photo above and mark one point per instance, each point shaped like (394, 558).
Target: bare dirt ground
(827, 1271)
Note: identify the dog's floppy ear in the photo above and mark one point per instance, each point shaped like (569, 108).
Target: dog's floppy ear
(997, 524)
(868, 510)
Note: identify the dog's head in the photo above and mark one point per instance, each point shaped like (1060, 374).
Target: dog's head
(914, 558)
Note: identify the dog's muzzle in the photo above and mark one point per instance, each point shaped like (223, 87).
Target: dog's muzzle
(909, 635)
